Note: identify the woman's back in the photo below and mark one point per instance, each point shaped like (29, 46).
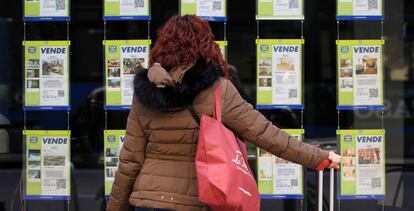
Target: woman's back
(156, 166)
(167, 136)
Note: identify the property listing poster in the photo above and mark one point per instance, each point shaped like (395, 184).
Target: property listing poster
(126, 10)
(360, 74)
(362, 172)
(46, 74)
(280, 10)
(223, 48)
(212, 10)
(48, 10)
(278, 178)
(360, 10)
(123, 58)
(279, 73)
(47, 164)
(113, 140)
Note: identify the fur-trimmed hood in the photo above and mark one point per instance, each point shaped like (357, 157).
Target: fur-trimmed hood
(196, 79)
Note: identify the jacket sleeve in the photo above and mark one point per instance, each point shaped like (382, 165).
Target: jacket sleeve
(252, 126)
(131, 158)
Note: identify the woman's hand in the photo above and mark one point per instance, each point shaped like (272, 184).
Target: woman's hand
(335, 160)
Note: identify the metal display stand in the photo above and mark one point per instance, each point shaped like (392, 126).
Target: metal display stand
(379, 108)
(293, 107)
(105, 28)
(27, 20)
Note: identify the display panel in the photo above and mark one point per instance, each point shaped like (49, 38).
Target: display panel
(126, 10)
(123, 58)
(47, 165)
(360, 74)
(280, 10)
(212, 10)
(113, 140)
(362, 172)
(360, 10)
(46, 10)
(279, 74)
(278, 178)
(46, 75)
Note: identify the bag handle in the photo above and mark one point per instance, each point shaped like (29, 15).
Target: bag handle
(216, 107)
(194, 115)
(217, 103)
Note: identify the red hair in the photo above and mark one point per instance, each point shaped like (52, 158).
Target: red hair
(185, 39)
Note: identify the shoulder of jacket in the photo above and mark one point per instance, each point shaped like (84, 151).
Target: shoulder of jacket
(224, 85)
(223, 82)
(227, 86)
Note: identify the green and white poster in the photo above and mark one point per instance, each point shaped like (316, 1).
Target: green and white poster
(360, 10)
(360, 74)
(113, 140)
(278, 178)
(47, 165)
(362, 172)
(123, 58)
(223, 48)
(46, 75)
(212, 10)
(46, 10)
(280, 10)
(126, 10)
(279, 73)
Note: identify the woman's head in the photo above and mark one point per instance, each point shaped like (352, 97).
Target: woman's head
(183, 40)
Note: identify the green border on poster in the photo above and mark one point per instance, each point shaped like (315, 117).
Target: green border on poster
(223, 48)
(111, 140)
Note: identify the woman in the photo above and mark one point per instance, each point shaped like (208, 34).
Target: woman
(156, 168)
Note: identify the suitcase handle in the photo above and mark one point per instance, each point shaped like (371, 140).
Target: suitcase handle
(324, 164)
(320, 169)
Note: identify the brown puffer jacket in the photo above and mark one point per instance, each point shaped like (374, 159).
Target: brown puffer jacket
(157, 169)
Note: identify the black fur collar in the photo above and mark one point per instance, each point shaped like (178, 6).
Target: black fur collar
(195, 80)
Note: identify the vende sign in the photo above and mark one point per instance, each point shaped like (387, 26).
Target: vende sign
(55, 140)
(369, 139)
